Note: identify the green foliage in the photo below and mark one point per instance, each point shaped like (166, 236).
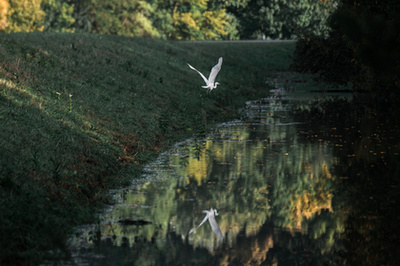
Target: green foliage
(372, 32)
(166, 19)
(194, 20)
(25, 16)
(127, 17)
(362, 48)
(284, 19)
(82, 15)
(59, 15)
(331, 58)
(175, 19)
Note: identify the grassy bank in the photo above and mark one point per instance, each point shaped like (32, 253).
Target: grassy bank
(81, 114)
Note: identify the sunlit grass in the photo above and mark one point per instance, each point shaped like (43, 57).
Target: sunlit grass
(80, 114)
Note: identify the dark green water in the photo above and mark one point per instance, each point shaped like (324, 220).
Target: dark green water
(295, 182)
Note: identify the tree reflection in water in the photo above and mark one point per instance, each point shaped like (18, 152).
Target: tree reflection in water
(285, 181)
(366, 135)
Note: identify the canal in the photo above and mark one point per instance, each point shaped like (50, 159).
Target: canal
(298, 180)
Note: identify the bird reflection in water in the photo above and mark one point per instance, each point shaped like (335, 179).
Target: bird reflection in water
(210, 216)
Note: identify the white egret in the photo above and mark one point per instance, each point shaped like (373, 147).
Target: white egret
(210, 82)
(210, 216)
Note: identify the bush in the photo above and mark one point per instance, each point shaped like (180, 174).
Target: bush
(331, 58)
(362, 48)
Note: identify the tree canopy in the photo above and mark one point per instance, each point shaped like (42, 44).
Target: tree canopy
(286, 19)
(362, 47)
(23, 16)
(172, 19)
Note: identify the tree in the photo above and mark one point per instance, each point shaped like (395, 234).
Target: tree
(362, 47)
(25, 16)
(59, 15)
(126, 17)
(371, 30)
(193, 20)
(4, 6)
(82, 15)
(284, 19)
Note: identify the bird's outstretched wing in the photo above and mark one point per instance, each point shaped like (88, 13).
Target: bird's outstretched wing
(205, 218)
(215, 70)
(202, 222)
(205, 79)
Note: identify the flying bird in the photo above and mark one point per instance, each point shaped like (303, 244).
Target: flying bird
(210, 82)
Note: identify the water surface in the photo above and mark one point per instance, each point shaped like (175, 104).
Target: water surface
(279, 180)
